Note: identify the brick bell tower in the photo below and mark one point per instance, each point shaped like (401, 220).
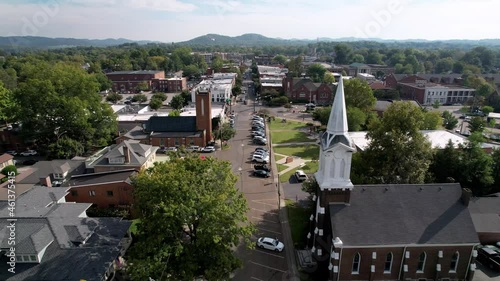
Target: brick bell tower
(203, 104)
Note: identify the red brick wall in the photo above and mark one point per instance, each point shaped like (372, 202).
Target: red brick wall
(130, 81)
(413, 93)
(391, 82)
(204, 114)
(429, 272)
(122, 194)
(171, 142)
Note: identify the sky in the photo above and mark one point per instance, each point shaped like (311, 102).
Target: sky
(181, 20)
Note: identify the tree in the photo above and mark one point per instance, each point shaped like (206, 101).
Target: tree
(186, 96)
(142, 86)
(190, 70)
(225, 132)
(316, 72)
(114, 97)
(445, 165)
(358, 58)
(9, 170)
(397, 152)
(140, 98)
(280, 59)
(155, 104)
(217, 63)
(449, 121)
(70, 105)
(322, 114)
(359, 94)
(7, 105)
(476, 169)
(160, 96)
(444, 65)
(328, 78)
(495, 170)
(174, 113)
(343, 53)
(104, 82)
(202, 217)
(432, 120)
(65, 148)
(477, 124)
(177, 102)
(436, 104)
(356, 119)
(487, 109)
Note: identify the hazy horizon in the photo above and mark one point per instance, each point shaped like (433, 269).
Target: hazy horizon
(181, 20)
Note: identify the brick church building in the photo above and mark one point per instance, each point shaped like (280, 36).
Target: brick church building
(386, 232)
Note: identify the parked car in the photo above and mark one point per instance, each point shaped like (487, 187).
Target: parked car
(259, 142)
(256, 123)
(29, 153)
(258, 134)
(261, 153)
(208, 149)
(193, 148)
(261, 173)
(489, 256)
(300, 175)
(260, 159)
(262, 167)
(261, 148)
(29, 162)
(171, 149)
(270, 244)
(11, 152)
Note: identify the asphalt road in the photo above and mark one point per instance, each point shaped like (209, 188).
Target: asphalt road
(262, 200)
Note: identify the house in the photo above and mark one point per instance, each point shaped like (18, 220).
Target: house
(305, 90)
(52, 173)
(170, 131)
(6, 160)
(105, 189)
(388, 231)
(271, 77)
(376, 70)
(127, 81)
(56, 241)
(128, 154)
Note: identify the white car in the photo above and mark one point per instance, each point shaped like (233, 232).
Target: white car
(28, 153)
(260, 158)
(270, 244)
(193, 148)
(261, 153)
(208, 149)
(300, 175)
(258, 123)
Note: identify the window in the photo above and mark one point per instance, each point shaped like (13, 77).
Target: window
(58, 176)
(388, 263)
(74, 193)
(176, 142)
(302, 95)
(91, 192)
(421, 262)
(110, 193)
(355, 263)
(454, 262)
(33, 258)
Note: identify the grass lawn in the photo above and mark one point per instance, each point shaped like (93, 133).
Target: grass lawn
(278, 157)
(298, 218)
(308, 168)
(308, 152)
(133, 227)
(289, 125)
(289, 136)
(281, 167)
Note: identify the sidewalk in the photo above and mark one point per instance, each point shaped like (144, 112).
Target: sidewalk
(296, 163)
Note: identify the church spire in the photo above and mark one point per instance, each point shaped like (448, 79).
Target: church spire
(337, 124)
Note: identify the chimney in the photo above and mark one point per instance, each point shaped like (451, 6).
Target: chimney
(46, 181)
(126, 153)
(466, 195)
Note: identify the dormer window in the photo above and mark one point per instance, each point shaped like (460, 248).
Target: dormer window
(58, 176)
(118, 160)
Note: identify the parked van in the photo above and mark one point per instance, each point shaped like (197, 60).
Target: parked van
(300, 175)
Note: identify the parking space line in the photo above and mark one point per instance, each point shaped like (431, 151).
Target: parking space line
(256, 279)
(263, 229)
(261, 219)
(268, 267)
(267, 204)
(263, 211)
(270, 254)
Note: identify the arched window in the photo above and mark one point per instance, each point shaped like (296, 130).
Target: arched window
(421, 262)
(355, 263)
(388, 263)
(454, 262)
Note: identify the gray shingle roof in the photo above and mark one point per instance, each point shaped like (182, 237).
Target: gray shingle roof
(139, 153)
(44, 169)
(485, 212)
(403, 215)
(101, 178)
(171, 124)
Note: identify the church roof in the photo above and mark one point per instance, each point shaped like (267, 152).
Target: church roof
(403, 214)
(337, 124)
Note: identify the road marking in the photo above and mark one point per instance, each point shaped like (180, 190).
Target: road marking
(261, 219)
(268, 267)
(262, 211)
(264, 229)
(267, 204)
(256, 279)
(269, 254)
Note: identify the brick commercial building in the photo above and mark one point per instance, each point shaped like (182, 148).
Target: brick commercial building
(305, 90)
(169, 85)
(428, 93)
(127, 81)
(385, 232)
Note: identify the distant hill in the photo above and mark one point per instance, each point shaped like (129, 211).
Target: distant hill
(36, 42)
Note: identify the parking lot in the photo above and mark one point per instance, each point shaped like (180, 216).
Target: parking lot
(262, 200)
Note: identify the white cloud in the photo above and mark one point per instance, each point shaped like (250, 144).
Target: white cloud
(163, 5)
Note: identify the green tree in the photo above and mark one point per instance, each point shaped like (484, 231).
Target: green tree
(104, 82)
(449, 121)
(9, 170)
(343, 53)
(328, 78)
(142, 86)
(495, 170)
(65, 148)
(114, 97)
(177, 102)
(432, 120)
(436, 104)
(217, 63)
(316, 72)
(477, 124)
(358, 58)
(487, 109)
(160, 96)
(444, 65)
(280, 59)
(397, 152)
(359, 94)
(322, 114)
(174, 113)
(186, 96)
(7, 105)
(201, 215)
(155, 104)
(191, 70)
(140, 98)
(445, 165)
(226, 132)
(476, 169)
(356, 119)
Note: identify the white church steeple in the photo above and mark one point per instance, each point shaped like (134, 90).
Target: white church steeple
(336, 148)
